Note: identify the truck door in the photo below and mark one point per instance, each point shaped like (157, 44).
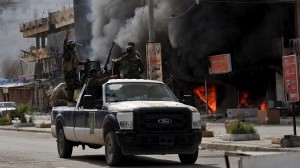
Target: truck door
(93, 128)
(79, 124)
(79, 118)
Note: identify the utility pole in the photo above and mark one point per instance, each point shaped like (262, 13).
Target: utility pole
(153, 58)
(151, 22)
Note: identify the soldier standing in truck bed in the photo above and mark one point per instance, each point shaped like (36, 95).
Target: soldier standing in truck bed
(70, 64)
(131, 66)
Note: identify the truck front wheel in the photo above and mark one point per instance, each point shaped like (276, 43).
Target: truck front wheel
(189, 158)
(113, 152)
(64, 147)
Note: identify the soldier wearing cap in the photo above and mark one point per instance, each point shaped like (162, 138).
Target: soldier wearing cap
(70, 64)
(131, 66)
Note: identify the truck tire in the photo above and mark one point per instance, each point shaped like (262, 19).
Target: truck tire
(189, 158)
(113, 153)
(64, 147)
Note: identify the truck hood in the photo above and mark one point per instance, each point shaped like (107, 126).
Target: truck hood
(132, 105)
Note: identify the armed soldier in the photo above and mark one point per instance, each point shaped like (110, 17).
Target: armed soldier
(131, 66)
(70, 64)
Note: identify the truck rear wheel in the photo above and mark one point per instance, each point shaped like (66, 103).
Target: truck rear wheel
(64, 147)
(189, 158)
(113, 153)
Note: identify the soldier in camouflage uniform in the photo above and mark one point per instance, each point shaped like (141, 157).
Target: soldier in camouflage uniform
(131, 66)
(59, 96)
(70, 64)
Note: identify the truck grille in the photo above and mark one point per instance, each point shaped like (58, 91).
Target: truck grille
(163, 120)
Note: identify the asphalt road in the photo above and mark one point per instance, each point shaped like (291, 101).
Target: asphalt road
(36, 150)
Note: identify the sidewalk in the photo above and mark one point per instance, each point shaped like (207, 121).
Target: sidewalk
(266, 133)
(38, 120)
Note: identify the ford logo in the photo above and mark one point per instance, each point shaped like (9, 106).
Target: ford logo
(165, 121)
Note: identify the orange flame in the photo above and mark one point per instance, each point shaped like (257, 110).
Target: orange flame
(244, 99)
(211, 96)
(263, 106)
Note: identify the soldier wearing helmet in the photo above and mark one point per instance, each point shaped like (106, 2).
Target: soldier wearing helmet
(132, 44)
(70, 64)
(131, 66)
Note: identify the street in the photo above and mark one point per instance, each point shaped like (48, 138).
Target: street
(36, 150)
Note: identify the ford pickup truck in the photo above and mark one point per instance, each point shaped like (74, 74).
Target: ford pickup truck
(133, 117)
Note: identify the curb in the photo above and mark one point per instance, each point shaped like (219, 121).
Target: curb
(244, 148)
(24, 130)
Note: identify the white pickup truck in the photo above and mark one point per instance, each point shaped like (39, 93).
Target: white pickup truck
(133, 117)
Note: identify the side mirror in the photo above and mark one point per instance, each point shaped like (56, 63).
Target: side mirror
(88, 102)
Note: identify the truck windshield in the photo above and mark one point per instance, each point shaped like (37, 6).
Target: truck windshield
(117, 92)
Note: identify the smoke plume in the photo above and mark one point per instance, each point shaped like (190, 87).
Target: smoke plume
(190, 32)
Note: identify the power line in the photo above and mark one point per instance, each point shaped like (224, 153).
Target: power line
(190, 8)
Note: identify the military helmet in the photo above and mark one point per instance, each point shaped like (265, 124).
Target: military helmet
(131, 44)
(129, 49)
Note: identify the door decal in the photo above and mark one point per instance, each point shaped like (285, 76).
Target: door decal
(92, 122)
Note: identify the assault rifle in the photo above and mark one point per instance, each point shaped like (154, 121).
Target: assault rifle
(108, 58)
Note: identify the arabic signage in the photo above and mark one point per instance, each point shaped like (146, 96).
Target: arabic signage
(220, 64)
(290, 77)
(154, 67)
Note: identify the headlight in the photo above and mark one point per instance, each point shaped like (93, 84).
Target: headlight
(196, 120)
(125, 120)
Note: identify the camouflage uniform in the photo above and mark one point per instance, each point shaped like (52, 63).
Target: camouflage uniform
(70, 64)
(131, 65)
(59, 96)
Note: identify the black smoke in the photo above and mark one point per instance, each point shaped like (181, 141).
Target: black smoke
(253, 33)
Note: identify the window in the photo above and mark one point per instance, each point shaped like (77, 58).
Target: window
(116, 92)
